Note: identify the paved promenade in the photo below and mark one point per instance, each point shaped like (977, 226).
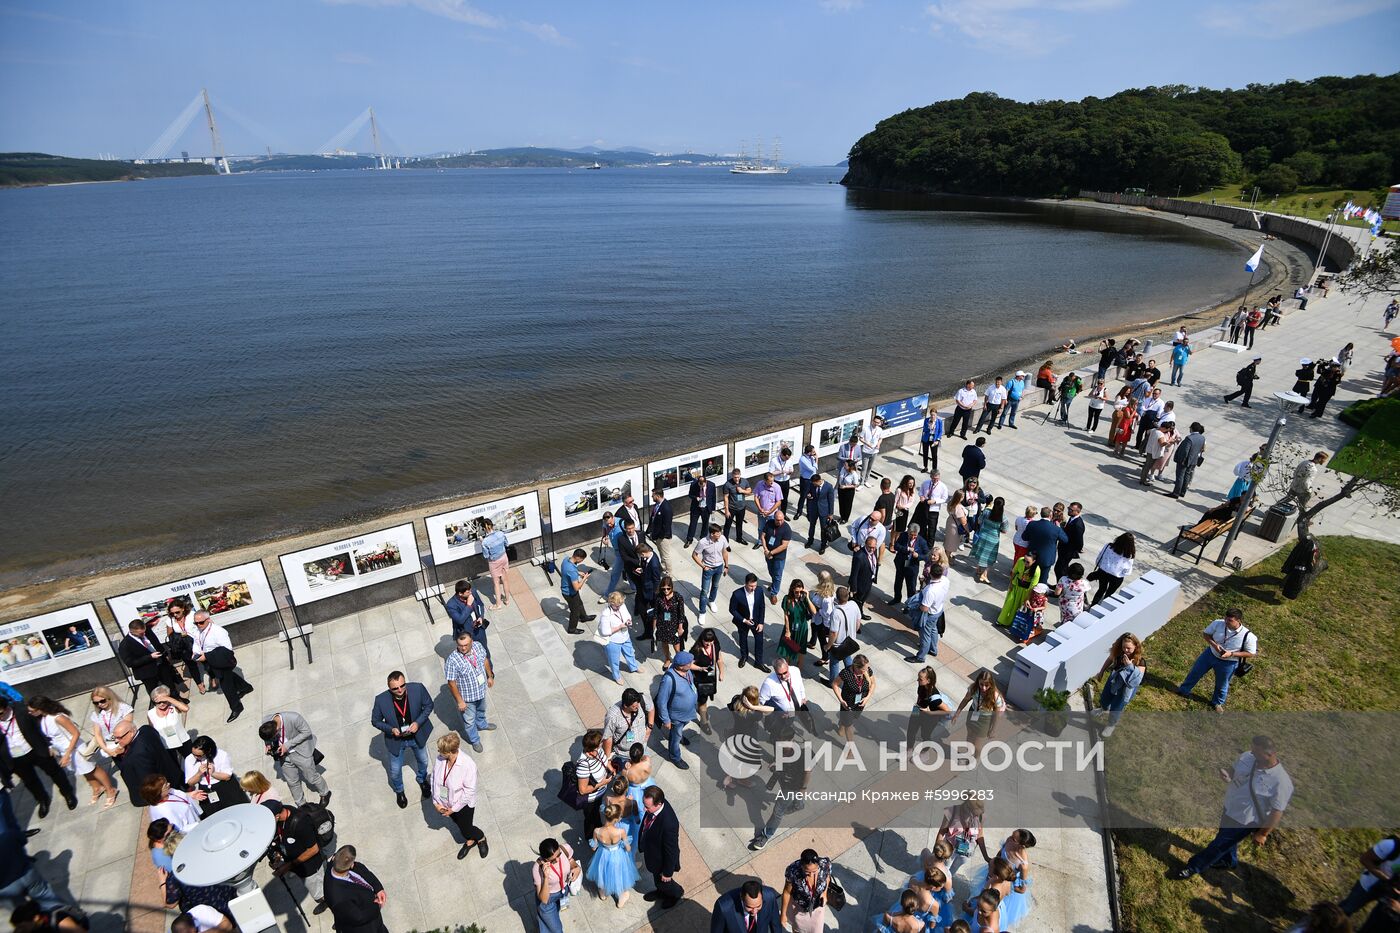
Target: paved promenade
(551, 686)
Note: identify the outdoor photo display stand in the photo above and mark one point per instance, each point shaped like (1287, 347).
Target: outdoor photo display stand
(900, 417)
(317, 573)
(575, 504)
(51, 643)
(754, 455)
(829, 434)
(457, 535)
(673, 474)
(230, 595)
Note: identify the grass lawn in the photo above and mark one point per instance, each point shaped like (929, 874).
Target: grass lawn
(1382, 428)
(1332, 649)
(1312, 202)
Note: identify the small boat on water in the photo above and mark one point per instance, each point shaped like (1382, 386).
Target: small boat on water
(595, 165)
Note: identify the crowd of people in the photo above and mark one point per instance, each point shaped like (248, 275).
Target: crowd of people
(919, 533)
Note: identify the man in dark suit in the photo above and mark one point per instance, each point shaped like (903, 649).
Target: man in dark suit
(354, 895)
(702, 505)
(659, 521)
(660, 842)
(865, 570)
(1074, 545)
(141, 754)
(23, 749)
(753, 907)
(820, 505)
(144, 654)
(974, 461)
(648, 588)
(1043, 537)
(629, 551)
(403, 714)
(628, 512)
(746, 609)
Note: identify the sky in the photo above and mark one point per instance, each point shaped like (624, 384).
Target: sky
(90, 78)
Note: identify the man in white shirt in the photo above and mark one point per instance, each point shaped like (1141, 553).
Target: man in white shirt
(1228, 642)
(870, 447)
(872, 526)
(783, 688)
(933, 599)
(994, 401)
(965, 400)
(1258, 792)
(1302, 487)
(933, 495)
(214, 652)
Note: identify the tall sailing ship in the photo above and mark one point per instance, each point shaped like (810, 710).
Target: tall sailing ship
(757, 165)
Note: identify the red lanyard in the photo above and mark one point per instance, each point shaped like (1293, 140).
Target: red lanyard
(106, 723)
(787, 688)
(281, 733)
(558, 869)
(442, 781)
(401, 710)
(9, 730)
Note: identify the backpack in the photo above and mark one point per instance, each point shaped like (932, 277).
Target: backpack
(1242, 378)
(568, 791)
(324, 821)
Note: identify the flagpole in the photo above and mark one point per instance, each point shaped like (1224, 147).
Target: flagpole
(1252, 273)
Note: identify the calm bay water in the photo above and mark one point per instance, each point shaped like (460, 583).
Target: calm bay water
(194, 363)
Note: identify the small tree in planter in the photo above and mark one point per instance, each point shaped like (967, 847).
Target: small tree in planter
(1056, 706)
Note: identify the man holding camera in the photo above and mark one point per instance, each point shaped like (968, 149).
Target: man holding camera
(292, 745)
(295, 850)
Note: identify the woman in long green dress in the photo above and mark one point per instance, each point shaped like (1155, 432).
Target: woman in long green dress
(1025, 574)
(987, 541)
(798, 611)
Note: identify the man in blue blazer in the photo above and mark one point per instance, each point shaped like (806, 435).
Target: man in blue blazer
(702, 505)
(753, 907)
(820, 505)
(659, 519)
(746, 608)
(402, 713)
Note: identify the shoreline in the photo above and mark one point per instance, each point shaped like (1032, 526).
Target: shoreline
(64, 588)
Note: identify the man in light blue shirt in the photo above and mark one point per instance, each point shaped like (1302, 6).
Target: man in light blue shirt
(1181, 354)
(612, 533)
(1014, 390)
(571, 584)
(806, 468)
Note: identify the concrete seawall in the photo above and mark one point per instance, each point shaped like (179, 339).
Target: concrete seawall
(42, 597)
(1340, 249)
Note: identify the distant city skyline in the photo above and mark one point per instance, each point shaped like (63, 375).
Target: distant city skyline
(87, 78)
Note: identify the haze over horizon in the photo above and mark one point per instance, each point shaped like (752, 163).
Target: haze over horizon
(88, 78)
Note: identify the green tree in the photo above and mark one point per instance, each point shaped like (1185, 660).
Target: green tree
(1258, 158)
(1277, 179)
(1308, 165)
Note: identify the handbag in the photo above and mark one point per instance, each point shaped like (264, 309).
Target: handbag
(831, 531)
(576, 886)
(844, 650)
(835, 894)
(790, 644)
(87, 750)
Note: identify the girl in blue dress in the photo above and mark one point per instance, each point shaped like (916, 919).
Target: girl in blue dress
(637, 770)
(613, 869)
(908, 918)
(1010, 874)
(933, 884)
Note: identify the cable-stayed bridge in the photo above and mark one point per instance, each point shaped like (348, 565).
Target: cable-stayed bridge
(160, 149)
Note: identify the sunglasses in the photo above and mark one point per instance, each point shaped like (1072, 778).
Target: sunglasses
(98, 701)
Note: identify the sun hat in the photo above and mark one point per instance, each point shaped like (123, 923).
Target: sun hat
(1041, 588)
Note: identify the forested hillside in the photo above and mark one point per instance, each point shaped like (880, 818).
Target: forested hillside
(1343, 132)
(40, 168)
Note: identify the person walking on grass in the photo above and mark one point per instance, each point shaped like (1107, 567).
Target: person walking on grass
(1229, 643)
(1257, 793)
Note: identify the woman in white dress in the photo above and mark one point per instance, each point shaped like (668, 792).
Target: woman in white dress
(65, 743)
(206, 764)
(107, 711)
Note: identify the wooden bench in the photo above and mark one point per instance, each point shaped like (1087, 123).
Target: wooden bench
(1204, 532)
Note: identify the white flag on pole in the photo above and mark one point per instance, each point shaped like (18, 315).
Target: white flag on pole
(1253, 263)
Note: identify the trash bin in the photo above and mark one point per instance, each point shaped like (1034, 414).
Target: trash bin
(1278, 520)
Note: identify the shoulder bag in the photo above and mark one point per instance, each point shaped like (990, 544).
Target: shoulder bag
(1244, 665)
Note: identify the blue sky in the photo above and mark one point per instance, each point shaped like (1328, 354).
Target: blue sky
(108, 77)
